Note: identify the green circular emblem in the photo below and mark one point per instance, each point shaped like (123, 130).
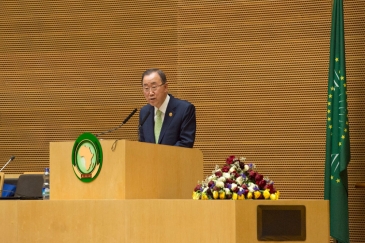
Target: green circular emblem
(87, 157)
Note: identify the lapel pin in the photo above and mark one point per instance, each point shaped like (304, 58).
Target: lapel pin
(170, 114)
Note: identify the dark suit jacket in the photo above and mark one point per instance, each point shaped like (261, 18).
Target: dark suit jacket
(179, 124)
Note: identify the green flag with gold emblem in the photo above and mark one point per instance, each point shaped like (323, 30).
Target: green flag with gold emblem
(337, 135)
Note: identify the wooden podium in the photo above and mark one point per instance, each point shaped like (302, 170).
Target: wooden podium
(134, 170)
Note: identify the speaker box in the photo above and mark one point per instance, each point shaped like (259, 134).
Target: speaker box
(281, 223)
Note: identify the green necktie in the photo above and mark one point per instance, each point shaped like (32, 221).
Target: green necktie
(158, 125)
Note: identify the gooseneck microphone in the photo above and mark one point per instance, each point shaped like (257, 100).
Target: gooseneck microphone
(11, 159)
(124, 122)
(141, 124)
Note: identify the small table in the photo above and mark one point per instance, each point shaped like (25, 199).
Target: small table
(360, 185)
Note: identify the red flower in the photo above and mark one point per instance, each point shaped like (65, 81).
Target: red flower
(261, 184)
(235, 174)
(252, 175)
(218, 173)
(230, 159)
(271, 188)
(242, 165)
(197, 188)
(226, 168)
(259, 177)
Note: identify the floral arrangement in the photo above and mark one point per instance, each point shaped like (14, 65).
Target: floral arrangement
(237, 180)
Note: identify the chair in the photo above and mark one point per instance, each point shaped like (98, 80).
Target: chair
(29, 185)
(7, 185)
(1, 182)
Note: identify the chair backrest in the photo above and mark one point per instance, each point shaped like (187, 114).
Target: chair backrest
(29, 185)
(1, 182)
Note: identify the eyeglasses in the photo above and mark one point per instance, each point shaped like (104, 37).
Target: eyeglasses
(153, 88)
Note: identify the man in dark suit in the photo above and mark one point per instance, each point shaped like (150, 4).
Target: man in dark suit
(167, 120)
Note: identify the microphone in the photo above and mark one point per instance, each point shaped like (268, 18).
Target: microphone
(124, 122)
(140, 125)
(11, 159)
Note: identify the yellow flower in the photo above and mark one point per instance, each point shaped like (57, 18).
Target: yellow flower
(273, 196)
(204, 196)
(234, 196)
(249, 195)
(257, 194)
(241, 197)
(196, 195)
(222, 195)
(277, 195)
(215, 195)
(266, 194)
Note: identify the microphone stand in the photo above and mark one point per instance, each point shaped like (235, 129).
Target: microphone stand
(125, 121)
(11, 159)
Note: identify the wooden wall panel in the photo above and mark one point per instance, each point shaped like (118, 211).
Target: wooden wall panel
(68, 67)
(256, 71)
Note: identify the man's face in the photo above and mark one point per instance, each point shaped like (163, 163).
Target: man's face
(153, 90)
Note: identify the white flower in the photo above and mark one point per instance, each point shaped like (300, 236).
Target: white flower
(233, 186)
(233, 168)
(239, 180)
(246, 168)
(250, 184)
(227, 175)
(222, 178)
(219, 184)
(212, 178)
(227, 191)
(251, 187)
